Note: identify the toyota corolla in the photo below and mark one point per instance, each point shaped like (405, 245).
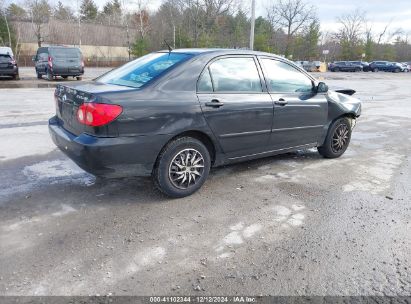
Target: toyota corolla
(175, 114)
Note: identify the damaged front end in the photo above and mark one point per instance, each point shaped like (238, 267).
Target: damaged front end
(344, 104)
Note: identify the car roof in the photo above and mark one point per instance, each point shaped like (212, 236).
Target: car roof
(219, 51)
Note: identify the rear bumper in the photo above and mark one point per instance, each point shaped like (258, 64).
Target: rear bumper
(65, 72)
(108, 157)
(9, 72)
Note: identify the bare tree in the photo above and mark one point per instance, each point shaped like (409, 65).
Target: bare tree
(291, 15)
(352, 27)
(40, 12)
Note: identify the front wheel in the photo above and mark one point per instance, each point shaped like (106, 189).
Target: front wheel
(337, 140)
(182, 167)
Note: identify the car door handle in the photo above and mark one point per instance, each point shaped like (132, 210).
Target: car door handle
(281, 102)
(214, 103)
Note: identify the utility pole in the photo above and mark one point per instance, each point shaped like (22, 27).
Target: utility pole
(252, 24)
(79, 23)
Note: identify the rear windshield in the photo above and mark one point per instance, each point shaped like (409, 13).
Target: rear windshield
(65, 53)
(5, 58)
(144, 69)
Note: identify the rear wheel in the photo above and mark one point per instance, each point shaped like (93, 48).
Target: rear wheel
(336, 70)
(182, 167)
(337, 140)
(38, 75)
(397, 70)
(49, 75)
(375, 70)
(79, 77)
(64, 77)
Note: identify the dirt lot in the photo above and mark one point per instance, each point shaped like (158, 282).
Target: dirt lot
(295, 224)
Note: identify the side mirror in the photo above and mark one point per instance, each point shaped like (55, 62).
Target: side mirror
(322, 88)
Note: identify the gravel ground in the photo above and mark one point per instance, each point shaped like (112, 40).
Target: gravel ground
(295, 224)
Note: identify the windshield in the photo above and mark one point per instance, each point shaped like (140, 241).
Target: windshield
(144, 69)
(65, 53)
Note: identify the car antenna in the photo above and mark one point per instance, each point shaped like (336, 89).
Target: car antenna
(168, 45)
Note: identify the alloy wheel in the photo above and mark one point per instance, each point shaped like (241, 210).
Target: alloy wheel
(186, 168)
(340, 138)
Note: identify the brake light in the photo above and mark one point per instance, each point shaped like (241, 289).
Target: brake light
(98, 114)
(82, 64)
(50, 62)
(13, 62)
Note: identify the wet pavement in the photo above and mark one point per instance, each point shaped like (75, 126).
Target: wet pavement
(294, 224)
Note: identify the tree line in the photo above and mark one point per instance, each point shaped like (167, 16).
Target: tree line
(289, 27)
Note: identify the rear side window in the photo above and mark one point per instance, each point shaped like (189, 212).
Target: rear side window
(144, 69)
(235, 75)
(205, 84)
(283, 77)
(65, 53)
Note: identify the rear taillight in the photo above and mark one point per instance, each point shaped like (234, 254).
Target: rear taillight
(82, 64)
(13, 62)
(98, 114)
(50, 62)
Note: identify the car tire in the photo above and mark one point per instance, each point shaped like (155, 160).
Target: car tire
(16, 77)
(375, 70)
(397, 70)
(337, 140)
(173, 175)
(336, 70)
(64, 77)
(79, 78)
(49, 75)
(39, 75)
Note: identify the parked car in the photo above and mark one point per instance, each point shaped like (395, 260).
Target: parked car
(344, 66)
(407, 66)
(61, 61)
(365, 65)
(175, 114)
(8, 66)
(385, 66)
(404, 67)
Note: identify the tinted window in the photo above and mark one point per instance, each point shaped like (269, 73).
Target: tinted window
(5, 58)
(282, 77)
(144, 69)
(235, 75)
(65, 53)
(205, 84)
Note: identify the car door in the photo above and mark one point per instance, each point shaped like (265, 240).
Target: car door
(42, 59)
(236, 105)
(300, 114)
(343, 66)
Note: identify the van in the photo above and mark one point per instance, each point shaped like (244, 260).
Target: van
(61, 61)
(5, 50)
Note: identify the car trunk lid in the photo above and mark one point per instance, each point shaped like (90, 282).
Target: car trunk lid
(69, 98)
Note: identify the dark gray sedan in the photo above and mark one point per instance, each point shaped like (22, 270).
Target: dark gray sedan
(175, 114)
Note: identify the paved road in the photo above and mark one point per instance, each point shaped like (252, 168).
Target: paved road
(295, 224)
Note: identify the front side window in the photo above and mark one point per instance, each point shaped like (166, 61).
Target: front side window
(235, 75)
(282, 77)
(144, 69)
